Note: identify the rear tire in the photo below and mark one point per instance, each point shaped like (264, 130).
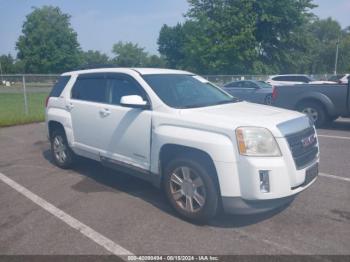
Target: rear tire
(62, 154)
(190, 189)
(315, 112)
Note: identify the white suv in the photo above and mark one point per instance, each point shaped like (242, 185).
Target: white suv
(280, 80)
(201, 145)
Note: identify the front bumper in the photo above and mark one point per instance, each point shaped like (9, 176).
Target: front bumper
(237, 205)
(285, 182)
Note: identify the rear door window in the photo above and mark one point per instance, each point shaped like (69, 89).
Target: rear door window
(303, 79)
(59, 86)
(91, 88)
(280, 78)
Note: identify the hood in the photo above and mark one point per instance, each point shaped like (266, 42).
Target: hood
(279, 121)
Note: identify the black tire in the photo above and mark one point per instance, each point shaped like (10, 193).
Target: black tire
(268, 100)
(69, 158)
(320, 117)
(209, 186)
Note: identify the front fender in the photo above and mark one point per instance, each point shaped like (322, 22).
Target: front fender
(219, 147)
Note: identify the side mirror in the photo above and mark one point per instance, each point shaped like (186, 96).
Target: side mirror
(134, 101)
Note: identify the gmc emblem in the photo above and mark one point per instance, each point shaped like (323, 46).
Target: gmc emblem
(308, 140)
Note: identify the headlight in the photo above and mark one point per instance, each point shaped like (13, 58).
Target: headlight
(256, 141)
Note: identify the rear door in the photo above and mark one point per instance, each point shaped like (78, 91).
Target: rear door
(89, 99)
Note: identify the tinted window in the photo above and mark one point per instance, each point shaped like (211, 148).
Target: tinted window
(234, 84)
(292, 78)
(92, 89)
(263, 84)
(248, 84)
(124, 86)
(280, 78)
(302, 79)
(186, 91)
(239, 84)
(59, 86)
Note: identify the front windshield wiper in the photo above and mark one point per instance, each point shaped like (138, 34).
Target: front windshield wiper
(233, 100)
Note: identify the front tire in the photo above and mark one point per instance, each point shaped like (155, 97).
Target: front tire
(190, 189)
(315, 112)
(62, 154)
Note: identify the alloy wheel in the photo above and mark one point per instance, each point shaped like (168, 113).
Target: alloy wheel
(187, 189)
(311, 113)
(60, 150)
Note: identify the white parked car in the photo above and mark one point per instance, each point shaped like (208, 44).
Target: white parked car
(201, 145)
(280, 80)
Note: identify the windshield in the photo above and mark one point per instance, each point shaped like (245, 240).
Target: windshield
(187, 91)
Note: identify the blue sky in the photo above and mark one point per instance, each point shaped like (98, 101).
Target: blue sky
(100, 23)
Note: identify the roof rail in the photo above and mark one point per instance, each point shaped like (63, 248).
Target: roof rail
(95, 66)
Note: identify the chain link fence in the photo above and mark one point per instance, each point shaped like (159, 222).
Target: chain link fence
(221, 80)
(22, 97)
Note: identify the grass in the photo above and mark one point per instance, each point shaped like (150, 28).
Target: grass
(12, 108)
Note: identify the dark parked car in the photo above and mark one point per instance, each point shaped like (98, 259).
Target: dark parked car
(250, 90)
(322, 103)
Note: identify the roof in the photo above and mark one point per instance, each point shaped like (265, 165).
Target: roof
(142, 71)
(152, 71)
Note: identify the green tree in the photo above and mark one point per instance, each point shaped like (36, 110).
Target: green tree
(48, 44)
(129, 55)
(344, 53)
(94, 58)
(132, 55)
(326, 33)
(7, 64)
(239, 36)
(280, 33)
(156, 61)
(171, 44)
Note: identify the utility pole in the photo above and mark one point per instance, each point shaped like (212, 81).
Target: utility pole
(336, 57)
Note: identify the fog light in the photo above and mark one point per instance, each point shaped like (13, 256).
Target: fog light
(264, 181)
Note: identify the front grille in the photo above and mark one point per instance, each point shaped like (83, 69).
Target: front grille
(304, 149)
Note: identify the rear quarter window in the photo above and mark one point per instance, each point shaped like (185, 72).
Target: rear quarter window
(59, 86)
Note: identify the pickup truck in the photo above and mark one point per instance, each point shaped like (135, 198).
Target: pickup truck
(323, 103)
(203, 147)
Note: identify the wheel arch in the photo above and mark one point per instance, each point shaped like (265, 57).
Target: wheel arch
(320, 99)
(54, 125)
(170, 151)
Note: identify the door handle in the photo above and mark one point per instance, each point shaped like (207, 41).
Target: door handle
(105, 112)
(69, 106)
